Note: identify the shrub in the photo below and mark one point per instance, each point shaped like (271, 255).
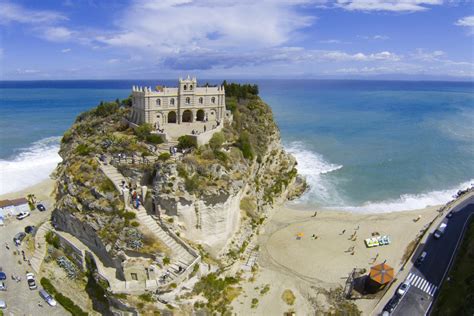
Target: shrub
(146, 297)
(106, 108)
(52, 239)
(166, 260)
(46, 284)
(246, 146)
(216, 141)
(107, 186)
(66, 302)
(135, 224)
(288, 297)
(191, 184)
(129, 215)
(222, 156)
(164, 156)
(186, 141)
(143, 131)
(154, 139)
(254, 303)
(240, 91)
(67, 136)
(83, 149)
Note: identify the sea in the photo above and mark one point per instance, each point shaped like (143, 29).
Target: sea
(363, 146)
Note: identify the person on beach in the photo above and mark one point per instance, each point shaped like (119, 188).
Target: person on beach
(315, 213)
(343, 231)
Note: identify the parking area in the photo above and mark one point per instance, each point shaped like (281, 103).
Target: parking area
(19, 298)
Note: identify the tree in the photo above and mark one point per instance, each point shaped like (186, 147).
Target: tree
(216, 141)
(143, 131)
(186, 141)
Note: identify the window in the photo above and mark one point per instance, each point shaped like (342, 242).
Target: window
(188, 100)
(158, 102)
(185, 87)
(213, 100)
(201, 100)
(191, 87)
(172, 101)
(134, 276)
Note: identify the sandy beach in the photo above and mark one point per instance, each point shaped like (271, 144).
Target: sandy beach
(309, 265)
(42, 191)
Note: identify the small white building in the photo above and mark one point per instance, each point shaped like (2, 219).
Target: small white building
(13, 207)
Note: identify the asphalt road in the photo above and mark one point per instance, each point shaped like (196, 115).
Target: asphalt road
(19, 298)
(426, 279)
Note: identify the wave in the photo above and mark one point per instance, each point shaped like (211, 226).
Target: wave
(313, 166)
(411, 201)
(31, 166)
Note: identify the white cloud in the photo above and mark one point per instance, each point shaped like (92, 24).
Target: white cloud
(331, 41)
(421, 54)
(466, 21)
(343, 56)
(376, 37)
(387, 5)
(65, 50)
(10, 12)
(56, 33)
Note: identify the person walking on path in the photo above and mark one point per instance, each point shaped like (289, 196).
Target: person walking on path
(315, 213)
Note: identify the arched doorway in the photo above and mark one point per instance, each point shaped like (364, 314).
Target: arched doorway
(187, 116)
(172, 117)
(200, 115)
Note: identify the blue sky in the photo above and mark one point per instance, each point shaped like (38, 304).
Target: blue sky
(145, 39)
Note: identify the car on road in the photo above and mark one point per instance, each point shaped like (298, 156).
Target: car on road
(48, 298)
(421, 258)
(3, 276)
(41, 207)
(390, 306)
(450, 214)
(3, 286)
(19, 238)
(30, 279)
(22, 215)
(30, 229)
(441, 228)
(403, 288)
(3, 305)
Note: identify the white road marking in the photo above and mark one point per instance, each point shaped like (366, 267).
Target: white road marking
(434, 290)
(425, 288)
(422, 284)
(410, 277)
(417, 280)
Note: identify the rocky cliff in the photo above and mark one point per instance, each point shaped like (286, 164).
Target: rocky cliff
(204, 195)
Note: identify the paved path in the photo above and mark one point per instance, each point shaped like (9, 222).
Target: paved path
(40, 246)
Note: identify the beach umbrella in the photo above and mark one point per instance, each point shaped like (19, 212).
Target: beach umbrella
(300, 235)
(381, 273)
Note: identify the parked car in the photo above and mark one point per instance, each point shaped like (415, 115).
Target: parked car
(3, 276)
(48, 298)
(421, 258)
(3, 305)
(390, 306)
(19, 238)
(403, 288)
(41, 207)
(3, 286)
(22, 215)
(30, 279)
(30, 229)
(441, 228)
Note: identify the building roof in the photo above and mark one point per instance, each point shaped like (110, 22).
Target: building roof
(15, 202)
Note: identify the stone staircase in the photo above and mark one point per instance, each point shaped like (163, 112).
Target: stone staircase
(181, 257)
(40, 246)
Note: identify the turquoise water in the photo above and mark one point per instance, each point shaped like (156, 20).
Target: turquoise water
(363, 145)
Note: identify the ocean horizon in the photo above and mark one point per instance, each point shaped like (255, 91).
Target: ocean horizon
(363, 145)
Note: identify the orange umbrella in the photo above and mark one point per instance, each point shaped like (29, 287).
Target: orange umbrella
(381, 273)
(300, 235)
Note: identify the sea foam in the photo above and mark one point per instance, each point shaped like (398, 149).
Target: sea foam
(410, 201)
(31, 166)
(313, 166)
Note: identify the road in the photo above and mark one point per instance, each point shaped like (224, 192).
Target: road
(427, 278)
(19, 298)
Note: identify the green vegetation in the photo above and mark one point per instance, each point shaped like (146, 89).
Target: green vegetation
(143, 131)
(154, 139)
(52, 239)
(146, 297)
(107, 186)
(241, 91)
(288, 297)
(166, 260)
(245, 145)
(265, 289)
(83, 150)
(456, 296)
(254, 303)
(164, 156)
(186, 141)
(216, 141)
(106, 108)
(66, 302)
(219, 292)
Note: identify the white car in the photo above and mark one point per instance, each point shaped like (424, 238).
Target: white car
(22, 215)
(402, 290)
(3, 286)
(3, 305)
(30, 279)
(48, 298)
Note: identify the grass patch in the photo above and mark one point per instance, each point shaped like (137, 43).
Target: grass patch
(457, 295)
(288, 297)
(219, 292)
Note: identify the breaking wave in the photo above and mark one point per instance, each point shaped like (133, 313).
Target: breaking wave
(31, 166)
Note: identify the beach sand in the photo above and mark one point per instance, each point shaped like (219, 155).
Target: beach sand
(43, 191)
(325, 262)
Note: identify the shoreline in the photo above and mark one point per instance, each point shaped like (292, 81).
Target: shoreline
(42, 190)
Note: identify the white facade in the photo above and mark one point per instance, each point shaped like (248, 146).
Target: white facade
(186, 104)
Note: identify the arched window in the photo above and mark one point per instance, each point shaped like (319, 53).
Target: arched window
(172, 117)
(188, 100)
(213, 100)
(191, 87)
(200, 115)
(201, 100)
(187, 116)
(185, 87)
(172, 101)
(158, 102)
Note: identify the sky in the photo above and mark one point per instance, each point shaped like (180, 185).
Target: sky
(148, 39)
